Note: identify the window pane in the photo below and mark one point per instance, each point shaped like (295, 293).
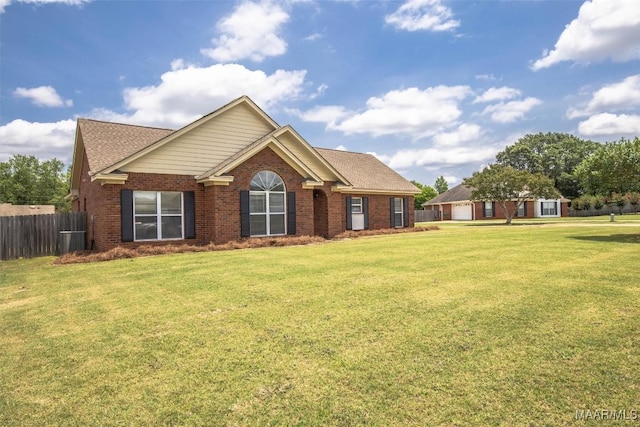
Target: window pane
(276, 202)
(257, 203)
(266, 181)
(398, 204)
(171, 203)
(276, 224)
(356, 205)
(258, 224)
(145, 202)
(146, 228)
(397, 219)
(172, 227)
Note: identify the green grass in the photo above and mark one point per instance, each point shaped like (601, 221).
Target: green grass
(468, 325)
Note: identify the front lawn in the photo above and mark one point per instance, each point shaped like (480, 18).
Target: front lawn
(494, 325)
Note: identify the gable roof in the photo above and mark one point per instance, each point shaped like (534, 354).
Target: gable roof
(366, 172)
(459, 193)
(112, 149)
(108, 143)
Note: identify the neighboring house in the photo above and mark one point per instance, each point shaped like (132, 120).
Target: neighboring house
(232, 174)
(456, 204)
(7, 209)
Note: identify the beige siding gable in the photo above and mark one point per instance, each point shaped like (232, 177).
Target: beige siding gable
(307, 157)
(206, 145)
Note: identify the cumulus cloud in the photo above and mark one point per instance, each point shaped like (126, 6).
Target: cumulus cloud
(607, 124)
(508, 112)
(411, 112)
(426, 15)
(32, 138)
(439, 157)
(603, 29)
(497, 94)
(252, 32)
(466, 132)
(185, 94)
(618, 96)
(43, 96)
(5, 3)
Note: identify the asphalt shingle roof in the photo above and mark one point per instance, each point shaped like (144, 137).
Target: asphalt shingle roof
(365, 171)
(456, 194)
(108, 143)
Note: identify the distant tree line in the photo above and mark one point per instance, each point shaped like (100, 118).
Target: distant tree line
(25, 180)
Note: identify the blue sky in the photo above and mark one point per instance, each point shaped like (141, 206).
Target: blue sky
(432, 87)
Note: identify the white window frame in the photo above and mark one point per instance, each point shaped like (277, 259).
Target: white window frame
(545, 208)
(356, 205)
(158, 216)
(520, 210)
(397, 212)
(267, 213)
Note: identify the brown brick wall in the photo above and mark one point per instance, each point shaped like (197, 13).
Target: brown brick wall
(218, 207)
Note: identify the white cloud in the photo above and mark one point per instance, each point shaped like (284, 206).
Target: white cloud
(497, 94)
(251, 31)
(508, 112)
(464, 133)
(428, 15)
(610, 124)
(487, 77)
(313, 37)
(185, 94)
(614, 97)
(5, 3)
(329, 114)
(603, 29)
(43, 96)
(341, 148)
(32, 138)
(404, 159)
(411, 112)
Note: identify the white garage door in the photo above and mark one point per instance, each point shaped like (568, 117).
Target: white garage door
(461, 211)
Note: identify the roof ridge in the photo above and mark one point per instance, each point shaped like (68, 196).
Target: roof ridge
(343, 151)
(123, 124)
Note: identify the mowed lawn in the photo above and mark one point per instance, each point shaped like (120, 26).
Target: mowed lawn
(466, 326)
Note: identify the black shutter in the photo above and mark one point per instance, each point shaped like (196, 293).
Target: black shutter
(484, 209)
(555, 205)
(541, 208)
(405, 211)
(126, 215)
(392, 212)
(349, 222)
(525, 208)
(189, 198)
(365, 210)
(493, 209)
(291, 212)
(245, 224)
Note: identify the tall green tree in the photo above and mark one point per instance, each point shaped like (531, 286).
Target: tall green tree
(428, 193)
(504, 184)
(25, 180)
(441, 185)
(613, 168)
(554, 154)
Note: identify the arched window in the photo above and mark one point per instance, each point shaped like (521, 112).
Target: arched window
(267, 204)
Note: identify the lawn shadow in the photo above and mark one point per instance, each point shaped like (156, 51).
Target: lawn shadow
(617, 238)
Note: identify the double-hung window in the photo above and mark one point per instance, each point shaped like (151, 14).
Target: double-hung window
(488, 209)
(398, 213)
(356, 205)
(267, 205)
(158, 215)
(549, 208)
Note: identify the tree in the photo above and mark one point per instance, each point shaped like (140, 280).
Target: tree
(613, 168)
(504, 184)
(441, 185)
(24, 180)
(554, 154)
(428, 193)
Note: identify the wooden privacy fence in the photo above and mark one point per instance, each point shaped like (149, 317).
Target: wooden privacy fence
(29, 236)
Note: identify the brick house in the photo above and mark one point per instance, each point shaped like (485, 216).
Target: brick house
(232, 174)
(456, 204)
